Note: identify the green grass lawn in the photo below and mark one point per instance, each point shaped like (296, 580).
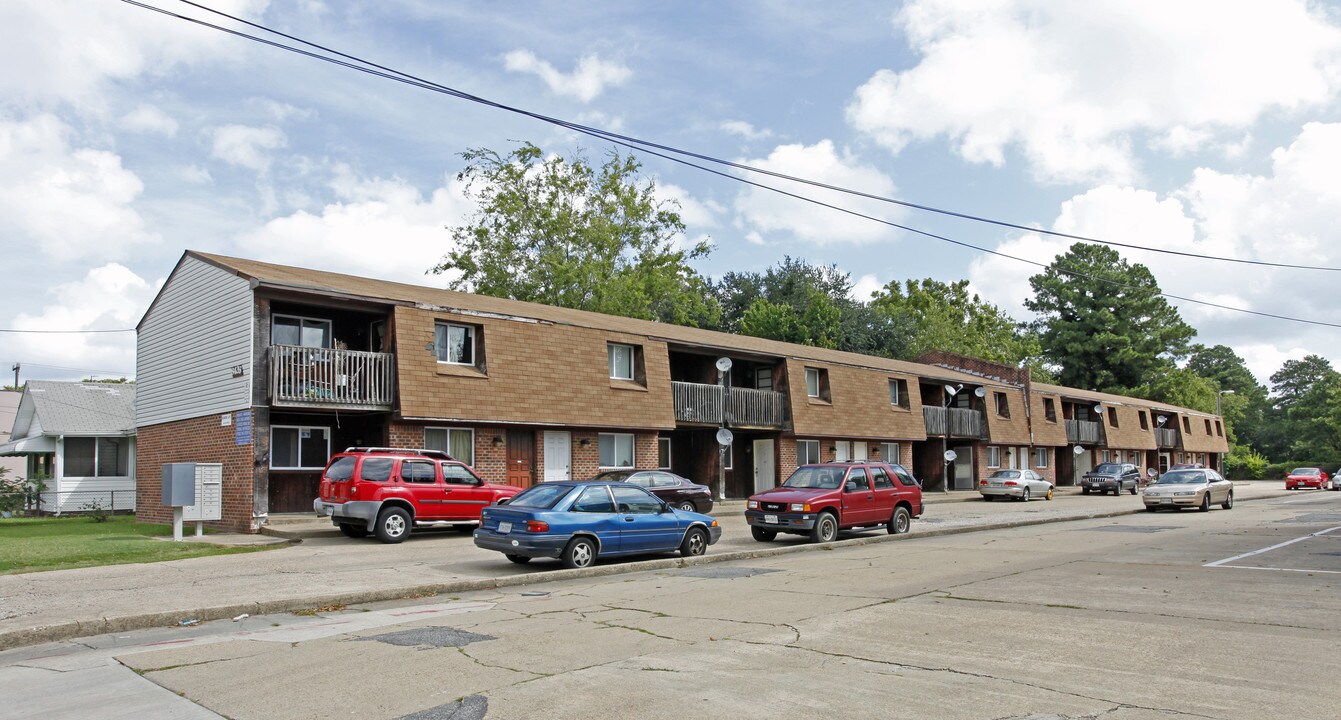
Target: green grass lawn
(36, 544)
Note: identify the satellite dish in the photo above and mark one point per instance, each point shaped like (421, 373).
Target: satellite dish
(979, 391)
(1098, 408)
(950, 455)
(1161, 419)
(723, 364)
(1077, 449)
(724, 436)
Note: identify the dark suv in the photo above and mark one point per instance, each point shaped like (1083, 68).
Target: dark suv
(1111, 477)
(819, 500)
(388, 491)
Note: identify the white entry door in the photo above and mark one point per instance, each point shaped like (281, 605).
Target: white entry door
(1082, 466)
(765, 476)
(558, 455)
(859, 451)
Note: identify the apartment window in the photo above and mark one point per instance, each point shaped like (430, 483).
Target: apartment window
(898, 392)
(457, 442)
(1002, 404)
(842, 451)
(98, 457)
(1145, 424)
(454, 344)
(301, 331)
(1049, 410)
(1219, 429)
(1187, 426)
(616, 450)
(763, 378)
(889, 452)
(1040, 457)
(812, 382)
(807, 452)
(993, 456)
(1112, 416)
(621, 361)
(1208, 425)
(297, 447)
(664, 452)
(1107, 456)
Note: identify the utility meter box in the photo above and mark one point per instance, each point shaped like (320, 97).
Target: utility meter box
(179, 484)
(208, 503)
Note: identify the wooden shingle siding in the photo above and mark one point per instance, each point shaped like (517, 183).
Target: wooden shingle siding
(1128, 435)
(1047, 433)
(1197, 440)
(1013, 430)
(198, 327)
(858, 405)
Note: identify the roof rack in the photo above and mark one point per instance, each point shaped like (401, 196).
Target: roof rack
(403, 451)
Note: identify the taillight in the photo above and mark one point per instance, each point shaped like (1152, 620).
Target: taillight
(537, 526)
(982, 482)
(1011, 483)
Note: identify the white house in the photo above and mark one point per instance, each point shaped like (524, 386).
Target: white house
(80, 437)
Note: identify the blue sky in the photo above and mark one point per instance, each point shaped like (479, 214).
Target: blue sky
(1206, 126)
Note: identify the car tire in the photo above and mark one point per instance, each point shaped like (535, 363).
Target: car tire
(826, 528)
(1133, 488)
(579, 553)
(1024, 496)
(1228, 504)
(900, 522)
(695, 542)
(1205, 502)
(1151, 508)
(1049, 495)
(686, 505)
(519, 559)
(393, 525)
(988, 498)
(763, 535)
(1085, 491)
(350, 530)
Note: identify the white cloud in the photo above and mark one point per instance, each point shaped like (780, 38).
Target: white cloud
(1073, 85)
(149, 119)
(745, 130)
(754, 238)
(587, 81)
(694, 212)
(865, 287)
(194, 174)
(110, 297)
(246, 146)
(72, 202)
(382, 228)
(767, 212)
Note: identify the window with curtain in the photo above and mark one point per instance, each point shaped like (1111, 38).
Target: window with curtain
(457, 442)
(454, 344)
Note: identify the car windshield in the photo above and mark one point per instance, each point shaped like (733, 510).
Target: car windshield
(1304, 471)
(613, 476)
(1006, 474)
(1182, 477)
(542, 497)
(1109, 469)
(824, 478)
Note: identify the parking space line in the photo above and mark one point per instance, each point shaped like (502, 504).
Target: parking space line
(1258, 567)
(1223, 563)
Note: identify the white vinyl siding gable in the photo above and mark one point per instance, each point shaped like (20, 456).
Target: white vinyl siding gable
(199, 327)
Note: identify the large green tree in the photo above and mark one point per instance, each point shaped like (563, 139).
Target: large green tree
(1245, 409)
(563, 232)
(1305, 392)
(1103, 321)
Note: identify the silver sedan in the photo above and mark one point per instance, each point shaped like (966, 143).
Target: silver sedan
(1199, 488)
(1018, 484)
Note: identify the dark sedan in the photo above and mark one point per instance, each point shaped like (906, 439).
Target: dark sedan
(678, 492)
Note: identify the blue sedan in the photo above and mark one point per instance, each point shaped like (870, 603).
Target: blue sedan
(577, 522)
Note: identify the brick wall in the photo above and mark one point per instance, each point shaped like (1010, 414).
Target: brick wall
(203, 440)
(1049, 472)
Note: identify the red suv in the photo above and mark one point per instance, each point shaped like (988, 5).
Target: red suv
(819, 500)
(388, 491)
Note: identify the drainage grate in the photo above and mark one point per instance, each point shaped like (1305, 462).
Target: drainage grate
(473, 707)
(727, 573)
(1131, 528)
(429, 637)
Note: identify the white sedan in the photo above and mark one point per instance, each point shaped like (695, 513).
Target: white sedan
(1198, 488)
(1018, 484)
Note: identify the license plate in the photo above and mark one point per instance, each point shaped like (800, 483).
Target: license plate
(504, 528)
(771, 519)
(995, 484)
(1167, 501)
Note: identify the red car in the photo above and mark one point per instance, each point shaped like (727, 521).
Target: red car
(389, 491)
(1300, 478)
(819, 500)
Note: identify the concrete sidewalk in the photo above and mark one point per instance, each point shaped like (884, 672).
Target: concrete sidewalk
(322, 571)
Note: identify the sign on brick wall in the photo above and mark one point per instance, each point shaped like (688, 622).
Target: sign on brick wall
(242, 427)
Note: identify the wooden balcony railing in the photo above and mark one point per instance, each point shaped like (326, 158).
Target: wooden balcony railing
(328, 378)
(1084, 432)
(1166, 437)
(960, 422)
(741, 407)
(698, 402)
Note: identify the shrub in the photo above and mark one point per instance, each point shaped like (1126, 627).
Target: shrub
(96, 510)
(1245, 463)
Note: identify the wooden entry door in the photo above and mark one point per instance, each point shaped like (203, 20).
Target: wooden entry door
(521, 458)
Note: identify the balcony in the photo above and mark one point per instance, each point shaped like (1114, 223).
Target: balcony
(1084, 432)
(1166, 437)
(332, 379)
(741, 407)
(953, 422)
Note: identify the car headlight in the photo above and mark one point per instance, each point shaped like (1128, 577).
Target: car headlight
(1182, 493)
(752, 505)
(1147, 493)
(800, 507)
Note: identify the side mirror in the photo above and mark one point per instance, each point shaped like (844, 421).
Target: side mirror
(503, 501)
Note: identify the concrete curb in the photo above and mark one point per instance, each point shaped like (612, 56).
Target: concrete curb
(10, 639)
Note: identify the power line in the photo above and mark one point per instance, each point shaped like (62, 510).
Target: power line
(66, 332)
(639, 145)
(82, 370)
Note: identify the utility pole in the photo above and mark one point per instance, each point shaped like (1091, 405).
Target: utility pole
(16, 375)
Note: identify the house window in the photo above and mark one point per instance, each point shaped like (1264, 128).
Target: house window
(1049, 410)
(1112, 416)
(889, 452)
(664, 452)
(812, 382)
(1040, 457)
(621, 361)
(807, 452)
(1002, 404)
(1208, 425)
(1145, 424)
(898, 392)
(454, 344)
(301, 331)
(763, 378)
(993, 456)
(1107, 456)
(616, 450)
(97, 457)
(1187, 426)
(296, 447)
(457, 442)
(1219, 429)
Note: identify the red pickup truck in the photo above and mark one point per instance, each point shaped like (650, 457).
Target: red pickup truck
(819, 500)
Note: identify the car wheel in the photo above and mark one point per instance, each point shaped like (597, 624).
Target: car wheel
(900, 521)
(393, 524)
(1049, 495)
(763, 535)
(1229, 501)
(826, 528)
(353, 531)
(695, 542)
(686, 505)
(988, 498)
(1205, 502)
(1151, 508)
(519, 559)
(1085, 491)
(1133, 488)
(1024, 496)
(580, 553)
